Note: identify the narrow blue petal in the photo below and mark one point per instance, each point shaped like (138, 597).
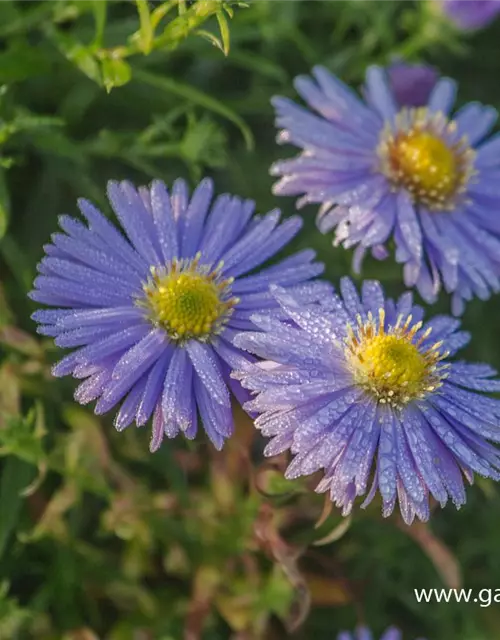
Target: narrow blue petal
(177, 393)
(135, 219)
(166, 226)
(95, 317)
(207, 417)
(475, 121)
(207, 368)
(118, 341)
(274, 243)
(443, 95)
(251, 242)
(387, 457)
(115, 241)
(127, 412)
(380, 93)
(154, 387)
(193, 221)
(92, 388)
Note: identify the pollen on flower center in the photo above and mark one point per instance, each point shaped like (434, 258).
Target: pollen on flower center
(427, 159)
(424, 156)
(390, 365)
(395, 356)
(188, 300)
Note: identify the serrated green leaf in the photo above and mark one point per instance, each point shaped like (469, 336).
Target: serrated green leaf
(115, 73)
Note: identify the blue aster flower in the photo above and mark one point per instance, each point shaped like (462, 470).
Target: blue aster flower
(420, 178)
(469, 15)
(361, 388)
(363, 633)
(152, 314)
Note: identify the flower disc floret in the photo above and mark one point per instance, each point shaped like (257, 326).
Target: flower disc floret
(390, 365)
(422, 157)
(188, 300)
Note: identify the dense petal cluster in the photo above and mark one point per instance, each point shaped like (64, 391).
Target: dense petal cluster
(419, 177)
(152, 314)
(363, 633)
(361, 388)
(470, 14)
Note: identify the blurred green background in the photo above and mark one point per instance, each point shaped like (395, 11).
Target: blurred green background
(98, 538)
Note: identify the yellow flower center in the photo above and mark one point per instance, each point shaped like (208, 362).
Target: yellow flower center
(187, 300)
(423, 157)
(390, 365)
(426, 161)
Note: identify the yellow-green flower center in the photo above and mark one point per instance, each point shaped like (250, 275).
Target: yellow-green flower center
(390, 365)
(423, 156)
(187, 300)
(425, 160)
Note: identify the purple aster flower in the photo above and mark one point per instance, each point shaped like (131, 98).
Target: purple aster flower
(361, 388)
(411, 84)
(417, 176)
(470, 14)
(152, 315)
(362, 633)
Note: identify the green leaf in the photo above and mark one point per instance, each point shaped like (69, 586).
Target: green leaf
(4, 204)
(12, 616)
(16, 475)
(146, 31)
(204, 141)
(20, 63)
(9, 12)
(224, 31)
(196, 97)
(17, 261)
(27, 121)
(22, 437)
(77, 53)
(57, 143)
(187, 22)
(258, 64)
(26, 19)
(211, 38)
(161, 11)
(99, 8)
(115, 73)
